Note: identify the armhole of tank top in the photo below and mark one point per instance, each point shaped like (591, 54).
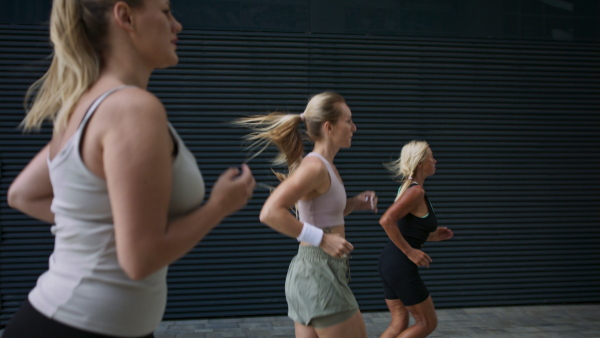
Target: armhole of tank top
(429, 205)
(327, 166)
(175, 139)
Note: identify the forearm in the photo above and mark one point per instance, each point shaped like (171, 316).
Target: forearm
(350, 205)
(282, 221)
(38, 208)
(391, 229)
(155, 250)
(31, 191)
(183, 233)
(440, 234)
(366, 200)
(432, 237)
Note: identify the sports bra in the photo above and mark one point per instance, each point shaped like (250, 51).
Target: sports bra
(326, 210)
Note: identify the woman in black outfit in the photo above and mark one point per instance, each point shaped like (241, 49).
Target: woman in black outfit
(409, 222)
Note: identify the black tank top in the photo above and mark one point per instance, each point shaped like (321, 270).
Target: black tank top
(415, 230)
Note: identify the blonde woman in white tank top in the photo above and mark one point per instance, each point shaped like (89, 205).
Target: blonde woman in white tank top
(319, 299)
(125, 194)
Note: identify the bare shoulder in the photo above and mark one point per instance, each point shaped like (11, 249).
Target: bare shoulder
(414, 193)
(133, 102)
(131, 110)
(312, 176)
(313, 167)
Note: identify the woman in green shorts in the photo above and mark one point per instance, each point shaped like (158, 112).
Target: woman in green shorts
(319, 299)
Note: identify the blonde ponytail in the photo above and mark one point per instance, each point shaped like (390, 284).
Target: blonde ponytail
(413, 153)
(77, 32)
(75, 65)
(282, 129)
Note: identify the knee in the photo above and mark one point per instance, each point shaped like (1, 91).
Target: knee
(399, 320)
(430, 323)
(427, 323)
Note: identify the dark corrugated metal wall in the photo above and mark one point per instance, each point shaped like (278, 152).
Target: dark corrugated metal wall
(513, 125)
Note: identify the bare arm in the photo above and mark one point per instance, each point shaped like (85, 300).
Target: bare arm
(310, 176)
(366, 200)
(408, 202)
(440, 234)
(137, 165)
(31, 192)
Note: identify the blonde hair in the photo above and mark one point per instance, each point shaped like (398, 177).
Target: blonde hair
(282, 129)
(78, 31)
(413, 153)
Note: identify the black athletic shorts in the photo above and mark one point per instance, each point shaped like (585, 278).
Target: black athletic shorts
(28, 322)
(400, 277)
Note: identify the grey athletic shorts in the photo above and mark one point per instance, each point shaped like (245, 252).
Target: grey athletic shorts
(317, 286)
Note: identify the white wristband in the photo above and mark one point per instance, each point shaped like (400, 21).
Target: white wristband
(310, 234)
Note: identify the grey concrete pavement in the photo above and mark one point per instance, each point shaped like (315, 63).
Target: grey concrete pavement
(546, 321)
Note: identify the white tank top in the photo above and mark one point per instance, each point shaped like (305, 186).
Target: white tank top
(85, 287)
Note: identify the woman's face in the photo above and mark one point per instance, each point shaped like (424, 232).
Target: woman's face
(428, 165)
(344, 128)
(155, 33)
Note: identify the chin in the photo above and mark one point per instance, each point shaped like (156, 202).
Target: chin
(169, 62)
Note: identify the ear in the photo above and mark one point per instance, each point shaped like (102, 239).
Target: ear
(327, 126)
(122, 14)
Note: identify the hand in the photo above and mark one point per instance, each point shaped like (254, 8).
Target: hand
(441, 234)
(366, 200)
(232, 190)
(336, 246)
(419, 257)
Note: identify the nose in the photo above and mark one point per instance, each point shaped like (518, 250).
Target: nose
(353, 127)
(177, 26)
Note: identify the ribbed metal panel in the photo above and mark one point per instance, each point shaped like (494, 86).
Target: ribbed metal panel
(513, 125)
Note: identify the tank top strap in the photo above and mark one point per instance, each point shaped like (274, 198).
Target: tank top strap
(411, 185)
(96, 103)
(327, 164)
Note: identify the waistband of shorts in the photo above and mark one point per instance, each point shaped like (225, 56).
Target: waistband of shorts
(314, 252)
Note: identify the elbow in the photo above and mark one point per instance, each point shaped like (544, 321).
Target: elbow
(134, 269)
(135, 273)
(385, 222)
(14, 198)
(135, 276)
(265, 216)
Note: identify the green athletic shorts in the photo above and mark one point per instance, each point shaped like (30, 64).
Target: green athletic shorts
(317, 286)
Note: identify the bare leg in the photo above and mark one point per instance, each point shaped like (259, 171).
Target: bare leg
(399, 320)
(425, 320)
(353, 327)
(303, 331)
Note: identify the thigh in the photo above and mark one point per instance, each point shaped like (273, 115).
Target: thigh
(351, 328)
(303, 331)
(30, 323)
(333, 319)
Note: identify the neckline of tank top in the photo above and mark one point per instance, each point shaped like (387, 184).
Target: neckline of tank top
(329, 165)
